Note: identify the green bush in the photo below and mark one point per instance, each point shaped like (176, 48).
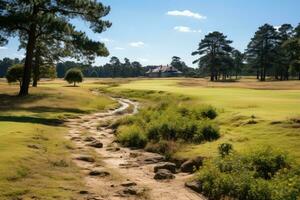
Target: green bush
(74, 76)
(169, 121)
(235, 177)
(225, 149)
(208, 112)
(131, 136)
(209, 131)
(15, 74)
(267, 162)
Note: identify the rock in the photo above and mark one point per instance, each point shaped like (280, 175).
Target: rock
(99, 173)
(163, 174)
(133, 190)
(76, 138)
(169, 166)
(133, 154)
(128, 184)
(192, 165)
(113, 149)
(32, 146)
(83, 192)
(89, 139)
(86, 158)
(154, 159)
(95, 144)
(194, 185)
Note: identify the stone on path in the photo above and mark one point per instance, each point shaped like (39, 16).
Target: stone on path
(99, 173)
(86, 158)
(167, 165)
(95, 144)
(163, 174)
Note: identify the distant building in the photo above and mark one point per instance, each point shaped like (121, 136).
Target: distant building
(163, 71)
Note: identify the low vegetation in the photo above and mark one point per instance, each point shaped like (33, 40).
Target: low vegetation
(171, 120)
(264, 174)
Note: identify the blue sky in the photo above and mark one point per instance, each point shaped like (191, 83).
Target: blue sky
(152, 31)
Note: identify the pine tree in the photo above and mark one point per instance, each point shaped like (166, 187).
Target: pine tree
(33, 19)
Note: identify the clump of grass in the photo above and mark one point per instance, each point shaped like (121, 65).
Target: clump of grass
(167, 122)
(132, 136)
(264, 174)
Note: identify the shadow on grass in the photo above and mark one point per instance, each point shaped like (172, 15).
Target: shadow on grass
(41, 109)
(35, 120)
(11, 102)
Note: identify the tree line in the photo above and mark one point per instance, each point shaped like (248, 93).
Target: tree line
(273, 52)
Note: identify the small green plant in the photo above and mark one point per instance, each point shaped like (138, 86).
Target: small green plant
(74, 76)
(225, 149)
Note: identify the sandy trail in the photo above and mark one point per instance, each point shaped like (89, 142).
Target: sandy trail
(119, 165)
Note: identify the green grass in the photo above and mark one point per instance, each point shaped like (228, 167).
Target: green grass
(35, 160)
(271, 110)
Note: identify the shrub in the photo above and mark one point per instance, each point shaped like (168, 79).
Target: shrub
(235, 177)
(131, 136)
(74, 76)
(168, 121)
(207, 112)
(268, 161)
(209, 131)
(15, 74)
(225, 149)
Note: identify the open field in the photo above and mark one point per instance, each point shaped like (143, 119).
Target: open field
(252, 114)
(34, 154)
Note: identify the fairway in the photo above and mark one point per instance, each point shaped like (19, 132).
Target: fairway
(272, 110)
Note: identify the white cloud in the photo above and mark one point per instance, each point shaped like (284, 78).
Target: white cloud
(186, 29)
(137, 44)
(186, 13)
(143, 60)
(3, 48)
(119, 48)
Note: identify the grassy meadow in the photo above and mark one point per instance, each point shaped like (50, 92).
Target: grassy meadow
(35, 158)
(251, 114)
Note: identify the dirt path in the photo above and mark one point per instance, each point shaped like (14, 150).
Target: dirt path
(112, 172)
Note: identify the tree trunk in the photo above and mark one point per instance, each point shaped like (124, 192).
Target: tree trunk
(36, 69)
(74, 84)
(212, 77)
(257, 74)
(29, 56)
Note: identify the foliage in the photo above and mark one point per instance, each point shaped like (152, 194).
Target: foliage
(15, 73)
(6, 63)
(74, 76)
(225, 149)
(47, 71)
(214, 51)
(132, 136)
(35, 22)
(239, 176)
(169, 122)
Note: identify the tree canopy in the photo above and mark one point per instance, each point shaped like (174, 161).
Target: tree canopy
(34, 19)
(214, 51)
